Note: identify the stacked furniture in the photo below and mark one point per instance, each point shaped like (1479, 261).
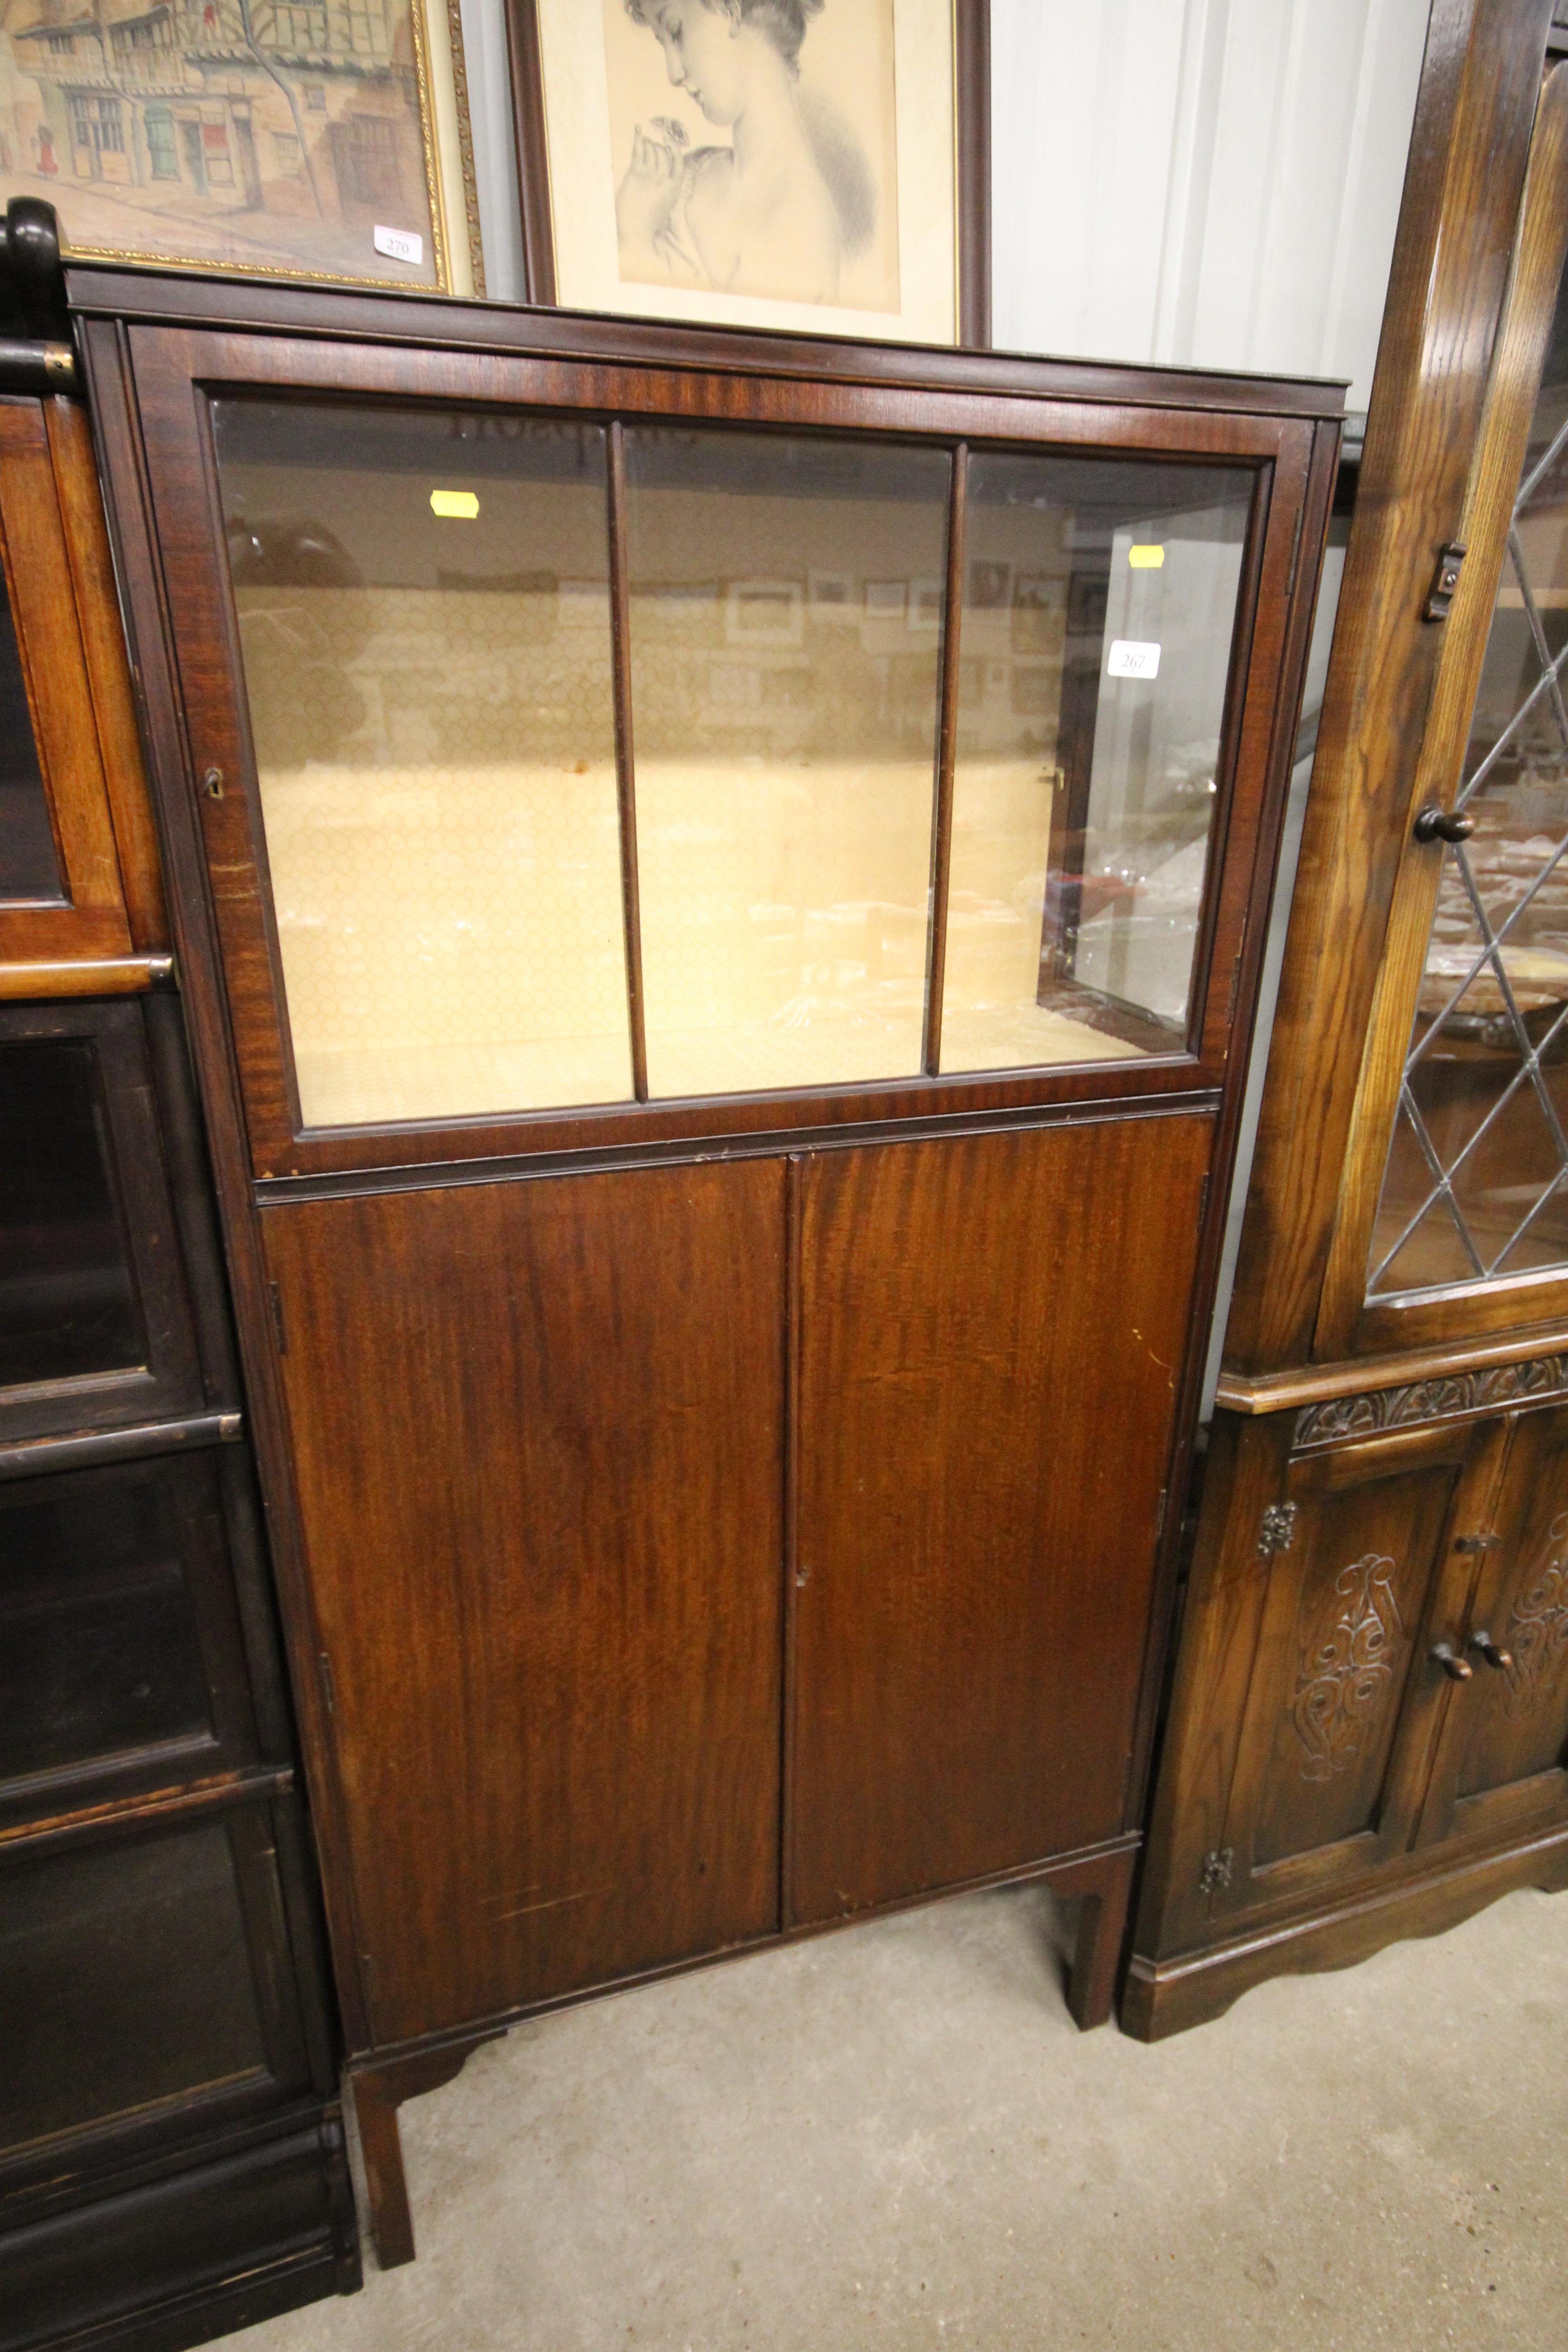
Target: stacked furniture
(171, 2156)
(1368, 1728)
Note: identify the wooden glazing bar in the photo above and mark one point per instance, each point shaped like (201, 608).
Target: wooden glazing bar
(101, 976)
(946, 745)
(626, 775)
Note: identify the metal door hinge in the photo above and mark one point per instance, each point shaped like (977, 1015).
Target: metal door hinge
(1277, 1529)
(1160, 1514)
(328, 1685)
(277, 1323)
(1445, 580)
(1215, 1871)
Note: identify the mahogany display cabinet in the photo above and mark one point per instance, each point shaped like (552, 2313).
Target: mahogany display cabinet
(719, 881)
(172, 2148)
(1368, 1730)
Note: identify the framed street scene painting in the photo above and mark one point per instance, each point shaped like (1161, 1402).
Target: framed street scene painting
(319, 138)
(816, 164)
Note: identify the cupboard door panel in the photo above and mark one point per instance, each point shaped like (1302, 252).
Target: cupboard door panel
(992, 1335)
(1345, 1700)
(539, 1437)
(1504, 1761)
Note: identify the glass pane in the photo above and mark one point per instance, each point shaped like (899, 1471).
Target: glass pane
(1099, 612)
(30, 868)
(1477, 1182)
(124, 1977)
(423, 613)
(98, 1639)
(786, 638)
(68, 1305)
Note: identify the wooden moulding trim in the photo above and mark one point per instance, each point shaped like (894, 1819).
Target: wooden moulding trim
(109, 976)
(1343, 1933)
(426, 1176)
(226, 1792)
(1070, 1874)
(1319, 1384)
(33, 1457)
(109, 674)
(188, 300)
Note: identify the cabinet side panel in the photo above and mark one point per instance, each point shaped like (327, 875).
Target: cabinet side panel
(993, 1332)
(538, 1437)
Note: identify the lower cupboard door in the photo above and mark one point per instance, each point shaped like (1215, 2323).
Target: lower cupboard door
(538, 1431)
(992, 1333)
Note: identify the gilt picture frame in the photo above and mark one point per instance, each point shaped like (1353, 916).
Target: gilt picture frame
(317, 139)
(821, 166)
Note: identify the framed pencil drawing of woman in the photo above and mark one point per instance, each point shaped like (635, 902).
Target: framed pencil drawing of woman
(817, 165)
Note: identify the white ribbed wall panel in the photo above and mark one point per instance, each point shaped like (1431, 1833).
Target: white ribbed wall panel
(1210, 181)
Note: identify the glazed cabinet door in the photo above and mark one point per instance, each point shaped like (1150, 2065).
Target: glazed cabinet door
(1502, 1769)
(1348, 1690)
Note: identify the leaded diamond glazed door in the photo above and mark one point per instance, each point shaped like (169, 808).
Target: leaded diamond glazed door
(1454, 1216)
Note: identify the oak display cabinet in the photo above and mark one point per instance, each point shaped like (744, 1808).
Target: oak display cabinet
(719, 881)
(1368, 1732)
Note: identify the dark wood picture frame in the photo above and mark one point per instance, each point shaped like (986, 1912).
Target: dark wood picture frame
(972, 123)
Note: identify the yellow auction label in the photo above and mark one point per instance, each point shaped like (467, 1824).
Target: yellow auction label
(1142, 559)
(466, 503)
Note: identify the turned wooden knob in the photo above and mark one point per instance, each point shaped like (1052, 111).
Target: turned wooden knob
(1490, 1651)
(1457, 1669)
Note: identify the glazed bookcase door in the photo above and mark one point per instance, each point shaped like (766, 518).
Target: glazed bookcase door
(1455, 1212)
(1502, 1766)
(61, 888)
(1346, 1699)
(853, 755)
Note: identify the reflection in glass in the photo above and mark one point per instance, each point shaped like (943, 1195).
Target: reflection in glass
(423, 611)
(785, 640)
(97, 1637)
(29, 866)
(135, 1954)
(1477, 1182)
(67, 1308)
(1099, 612)
(424, 605)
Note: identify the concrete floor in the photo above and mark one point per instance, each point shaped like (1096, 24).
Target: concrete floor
(894, 2138)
